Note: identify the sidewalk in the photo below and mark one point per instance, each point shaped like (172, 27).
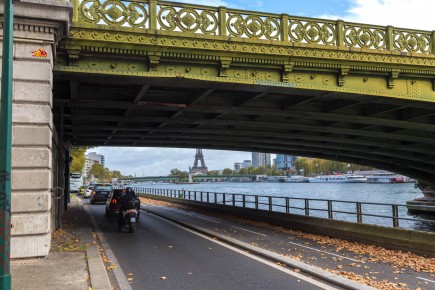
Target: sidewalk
(74, 262)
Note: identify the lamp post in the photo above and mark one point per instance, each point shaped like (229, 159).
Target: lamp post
(6, 145)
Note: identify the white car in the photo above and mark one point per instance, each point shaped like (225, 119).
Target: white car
(88, 191)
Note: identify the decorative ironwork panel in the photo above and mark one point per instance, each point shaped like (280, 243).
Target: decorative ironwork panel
(253, 26)
(114, 13)
(365, 37)
(188, 19)
(305, 31)
(410, 41)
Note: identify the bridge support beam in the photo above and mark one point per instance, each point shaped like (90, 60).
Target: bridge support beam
(35, 144)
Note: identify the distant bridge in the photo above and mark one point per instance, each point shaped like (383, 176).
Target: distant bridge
(177, 178)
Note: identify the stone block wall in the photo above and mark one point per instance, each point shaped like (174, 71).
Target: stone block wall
(37, 25)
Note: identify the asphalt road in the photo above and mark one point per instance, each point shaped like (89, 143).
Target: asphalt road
(162, 255)
(310, 252)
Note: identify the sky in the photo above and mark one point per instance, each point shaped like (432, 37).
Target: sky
(415, 14)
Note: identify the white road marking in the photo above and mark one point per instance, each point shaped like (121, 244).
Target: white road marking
(203, 218)
(249, 231)
(271, 264)
(317, 250)
(314, 249)
(192, 215)
(426, 280)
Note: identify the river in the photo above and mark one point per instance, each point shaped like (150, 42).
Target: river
(354, 192)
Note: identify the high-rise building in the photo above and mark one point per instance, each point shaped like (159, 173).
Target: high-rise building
(246, 163)
(260, 159)
(285, 162)
(96, 157)
(237, 166)
(87, 168)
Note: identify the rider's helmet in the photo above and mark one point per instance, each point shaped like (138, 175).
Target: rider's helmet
(130, 192)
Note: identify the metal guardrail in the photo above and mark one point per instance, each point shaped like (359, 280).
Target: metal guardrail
(181, 18)
(363, 212)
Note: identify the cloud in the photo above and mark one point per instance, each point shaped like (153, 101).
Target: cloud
(159, 161)
(416, 14)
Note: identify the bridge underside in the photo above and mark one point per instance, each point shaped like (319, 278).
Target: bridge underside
(388, 133)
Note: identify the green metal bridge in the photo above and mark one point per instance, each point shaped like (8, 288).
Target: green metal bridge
(165, 74)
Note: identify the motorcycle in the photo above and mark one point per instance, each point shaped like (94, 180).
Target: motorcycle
(129, 219)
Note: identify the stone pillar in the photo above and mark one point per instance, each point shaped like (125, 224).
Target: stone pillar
(38, 25)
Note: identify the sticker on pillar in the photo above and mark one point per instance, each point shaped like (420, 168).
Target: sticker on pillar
(39, 53)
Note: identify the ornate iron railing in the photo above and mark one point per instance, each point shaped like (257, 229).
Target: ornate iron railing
(383, 214)
(178, 18)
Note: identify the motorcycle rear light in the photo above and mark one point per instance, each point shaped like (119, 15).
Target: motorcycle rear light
(114, 201)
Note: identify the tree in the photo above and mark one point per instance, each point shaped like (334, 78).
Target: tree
(78, 158)
(116, 174)
(213, 172)
(303, 166)
(98, 171)
(183, 174)
(107, 175)
(262, 170)
(246, 171)
(175, 172)
(227, 171)
(273, 171)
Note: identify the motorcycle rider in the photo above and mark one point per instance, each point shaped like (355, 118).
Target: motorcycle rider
(126, 202)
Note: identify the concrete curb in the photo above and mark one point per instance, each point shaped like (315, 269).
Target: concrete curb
(311, 270)
(118, 272)
(97, 271)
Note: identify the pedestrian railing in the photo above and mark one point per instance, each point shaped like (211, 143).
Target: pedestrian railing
(384, 214)
(176, 19)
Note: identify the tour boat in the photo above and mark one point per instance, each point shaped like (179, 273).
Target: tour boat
(296, 179)
(343, 178)
(385, 177)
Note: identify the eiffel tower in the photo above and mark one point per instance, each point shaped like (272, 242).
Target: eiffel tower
(199, 169)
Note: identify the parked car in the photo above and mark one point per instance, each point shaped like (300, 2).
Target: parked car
(112, 203)
(88, 191)
(100, 192)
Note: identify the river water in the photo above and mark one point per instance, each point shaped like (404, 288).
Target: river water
(354, 192)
